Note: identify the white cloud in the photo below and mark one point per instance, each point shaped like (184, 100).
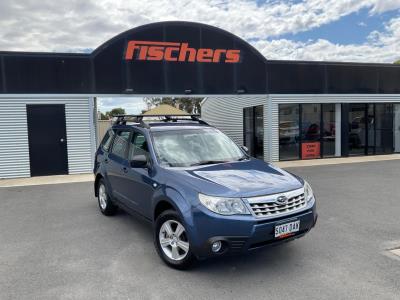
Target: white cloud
(76, 25)
(381, 47)
(380, 6)
(132, 105)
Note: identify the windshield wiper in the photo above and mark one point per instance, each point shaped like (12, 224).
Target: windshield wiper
(243, 158)
(209, 162)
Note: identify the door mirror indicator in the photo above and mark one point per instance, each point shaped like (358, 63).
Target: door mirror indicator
(139, 161)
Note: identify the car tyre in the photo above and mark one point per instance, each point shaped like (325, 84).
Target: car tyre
(107, 207)
(175, 251)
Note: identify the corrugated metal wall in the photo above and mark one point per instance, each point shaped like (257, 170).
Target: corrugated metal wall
(226, 113)
(14, 147)
(14, 150)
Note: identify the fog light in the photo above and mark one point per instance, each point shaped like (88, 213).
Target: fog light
(216, 246)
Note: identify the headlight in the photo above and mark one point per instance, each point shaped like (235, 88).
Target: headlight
(308, 192)
(224, 206)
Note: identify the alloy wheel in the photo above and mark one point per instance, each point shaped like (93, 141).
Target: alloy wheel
(173, 240)
(102, 196)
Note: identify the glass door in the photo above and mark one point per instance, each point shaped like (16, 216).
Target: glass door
(383, 128)
(371, 129)
(328, 130)
(357, 129)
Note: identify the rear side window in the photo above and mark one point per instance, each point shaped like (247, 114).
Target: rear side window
(121, 144)
(106, 142)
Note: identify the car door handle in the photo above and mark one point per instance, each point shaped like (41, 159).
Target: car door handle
(125, 169)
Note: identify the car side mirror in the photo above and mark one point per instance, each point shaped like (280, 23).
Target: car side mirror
(245, 149)
(139, 161)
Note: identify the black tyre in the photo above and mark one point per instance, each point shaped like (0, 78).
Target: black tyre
(171, 241)
(107, 207)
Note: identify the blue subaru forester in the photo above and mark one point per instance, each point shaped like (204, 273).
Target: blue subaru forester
(204, 194)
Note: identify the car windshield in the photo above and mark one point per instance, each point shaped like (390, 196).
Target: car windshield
(191, 147)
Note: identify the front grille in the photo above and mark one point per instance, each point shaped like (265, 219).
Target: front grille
(269, 207)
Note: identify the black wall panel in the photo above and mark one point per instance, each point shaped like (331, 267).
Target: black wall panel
(296, 77)
(47, 74)
(351, 79)
(106, 71)
(389, 80)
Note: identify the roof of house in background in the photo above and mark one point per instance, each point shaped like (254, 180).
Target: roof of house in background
(165, 109)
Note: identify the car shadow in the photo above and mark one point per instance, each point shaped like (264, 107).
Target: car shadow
(262, 259)
(283, 256)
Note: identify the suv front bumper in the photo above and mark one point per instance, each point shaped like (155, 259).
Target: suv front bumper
(240, 234)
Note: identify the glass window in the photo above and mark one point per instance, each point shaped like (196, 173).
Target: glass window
(310, 131)
(289, 133)
(139, 146)
(183, 148)
(370, 119)
(259, 132)
(248, 120)
(121, 142)
(329, 130)
(106, 142)
(254, 130)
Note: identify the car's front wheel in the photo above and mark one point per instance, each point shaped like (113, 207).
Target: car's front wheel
(107, 207)
(171, 241)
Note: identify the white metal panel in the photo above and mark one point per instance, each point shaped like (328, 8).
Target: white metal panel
(14, 145)
(14, 148)
(79, 136)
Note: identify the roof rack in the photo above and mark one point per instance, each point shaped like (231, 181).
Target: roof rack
(122, 119)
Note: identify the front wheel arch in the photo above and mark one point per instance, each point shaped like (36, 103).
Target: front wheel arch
(96, 184)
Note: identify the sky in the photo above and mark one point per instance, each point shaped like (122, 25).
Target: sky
(328, 30)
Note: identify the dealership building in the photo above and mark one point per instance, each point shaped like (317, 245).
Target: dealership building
(280, 110)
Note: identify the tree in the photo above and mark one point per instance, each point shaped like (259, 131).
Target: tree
(103, 116)
(189, 104)
(115, 111)
(397, 62)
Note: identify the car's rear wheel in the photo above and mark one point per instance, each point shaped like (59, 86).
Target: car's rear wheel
(171, 241)
(107, 207)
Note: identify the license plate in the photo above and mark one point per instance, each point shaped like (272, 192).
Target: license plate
(286, 229)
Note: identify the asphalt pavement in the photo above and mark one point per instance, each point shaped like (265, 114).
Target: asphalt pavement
(54, 244)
